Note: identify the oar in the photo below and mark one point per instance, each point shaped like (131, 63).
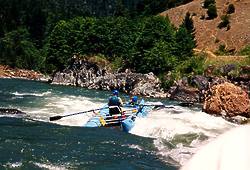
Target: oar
(155, 105)
(53, 118)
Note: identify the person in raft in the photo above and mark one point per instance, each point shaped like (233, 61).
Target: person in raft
(134, 101)
(115, 103)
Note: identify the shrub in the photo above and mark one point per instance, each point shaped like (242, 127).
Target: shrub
(221, 50)
(245, 50)
(230, 9)
(195, 65)
(212, 11)
(185, 44)
(207, 3)
(225, 21)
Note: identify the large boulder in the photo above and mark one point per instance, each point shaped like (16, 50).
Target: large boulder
(228, 100)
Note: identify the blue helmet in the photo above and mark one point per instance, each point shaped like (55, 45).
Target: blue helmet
(134, 99)
(115, 92)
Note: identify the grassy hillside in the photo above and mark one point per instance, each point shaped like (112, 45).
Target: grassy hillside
(209, 37)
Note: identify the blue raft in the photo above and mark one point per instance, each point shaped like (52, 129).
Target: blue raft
(103, 118)
(142, 111)
(126, 120)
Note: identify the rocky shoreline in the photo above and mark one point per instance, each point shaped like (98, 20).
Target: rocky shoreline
(232, 102)
(8, 72)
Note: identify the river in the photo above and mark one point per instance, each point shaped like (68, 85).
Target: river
(166, 139)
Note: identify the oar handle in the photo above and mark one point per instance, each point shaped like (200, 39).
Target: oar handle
(53, 118)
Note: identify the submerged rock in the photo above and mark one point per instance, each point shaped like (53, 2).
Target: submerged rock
(237, 119)
(228, 100)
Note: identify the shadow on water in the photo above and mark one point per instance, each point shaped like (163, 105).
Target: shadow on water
(38, 145)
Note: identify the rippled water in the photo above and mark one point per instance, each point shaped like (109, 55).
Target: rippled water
(164, 140)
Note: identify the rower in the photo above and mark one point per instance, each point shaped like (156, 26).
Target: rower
(115, 103)
(134, 101)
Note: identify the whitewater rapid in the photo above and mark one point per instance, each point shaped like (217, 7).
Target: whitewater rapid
(169, 127)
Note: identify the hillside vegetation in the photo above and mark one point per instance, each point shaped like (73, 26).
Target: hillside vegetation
(44, 35)
(230, 28)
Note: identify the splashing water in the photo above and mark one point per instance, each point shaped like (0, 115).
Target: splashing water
(177, 132)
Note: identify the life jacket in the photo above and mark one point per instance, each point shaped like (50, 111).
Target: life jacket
(114, 101)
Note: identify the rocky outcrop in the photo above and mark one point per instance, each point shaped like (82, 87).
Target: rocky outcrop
(194, 88)
(228, 100)
(92, 75)
(189, 94)
(184, 94)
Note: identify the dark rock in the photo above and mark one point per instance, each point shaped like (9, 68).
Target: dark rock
(217, 80)
(226, 69)
(186, 104)
(185, 94)
(201, 82)
(91, 75)
(237, 119)
(4, 111)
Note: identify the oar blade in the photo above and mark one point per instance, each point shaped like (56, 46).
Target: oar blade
(53, 118)
(159, 106)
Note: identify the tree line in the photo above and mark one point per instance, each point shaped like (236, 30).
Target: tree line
(44, 34)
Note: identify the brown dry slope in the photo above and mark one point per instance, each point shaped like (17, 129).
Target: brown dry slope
(207, 34)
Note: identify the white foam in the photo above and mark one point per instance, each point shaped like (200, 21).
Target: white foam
(132, 146)
(50, 166)
(163, 125)
(166, 123)
(57, 105)
(32, 94)
(13, 165)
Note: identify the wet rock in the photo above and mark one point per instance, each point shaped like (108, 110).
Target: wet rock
(237, 119)
(4, 111)
(228, 99)
(186, 104)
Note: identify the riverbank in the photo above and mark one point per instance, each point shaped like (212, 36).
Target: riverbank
(8, 72)
(188, 90)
